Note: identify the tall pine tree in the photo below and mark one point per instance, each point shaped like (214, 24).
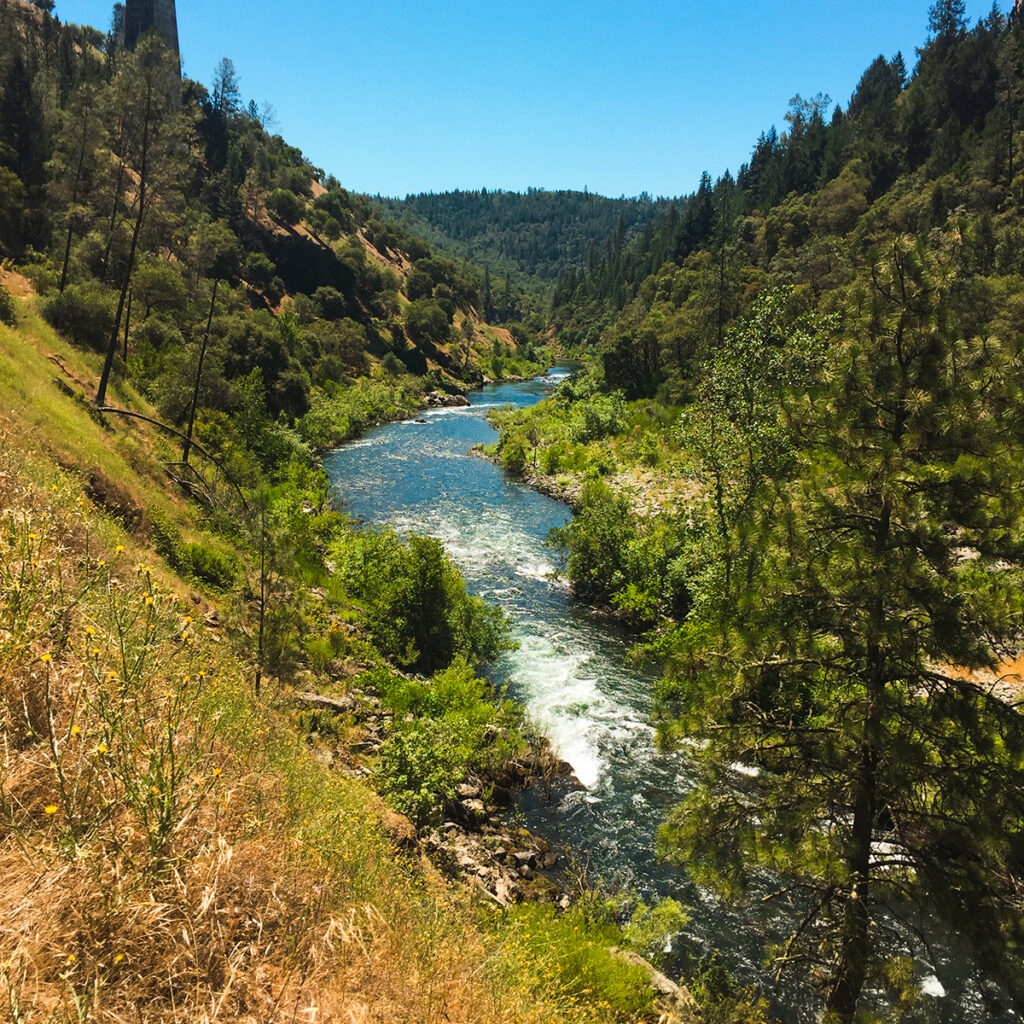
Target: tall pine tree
(879, 777)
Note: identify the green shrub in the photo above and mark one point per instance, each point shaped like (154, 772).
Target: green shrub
(194, 561)
(418, 611)
(426, 321)
(259, 270)
(6, 307)
(598, 417)
(285, 206)
(513, 454)
(84, 313)
(40, 271)
(208, 566)
(445, 729)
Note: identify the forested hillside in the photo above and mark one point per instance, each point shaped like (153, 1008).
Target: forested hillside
(165, 227)
(908, 153)
(796, 465)
(229, 719)
(534, 239)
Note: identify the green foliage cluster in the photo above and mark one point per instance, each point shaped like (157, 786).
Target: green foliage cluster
(339, 414)
(7, 314)
(531, 239)
(445, 730)
(217, 570)
(613, 556)
(417, 608)
(582, 438)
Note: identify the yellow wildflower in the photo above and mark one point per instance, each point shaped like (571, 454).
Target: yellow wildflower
(46, 659)
(76, 730)
(119, 549)
(51, 809)
(102, 748)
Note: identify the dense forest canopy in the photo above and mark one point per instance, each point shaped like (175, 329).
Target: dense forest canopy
(537, 237)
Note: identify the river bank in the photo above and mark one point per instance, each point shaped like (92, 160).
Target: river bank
(572, 672)
(477, 839)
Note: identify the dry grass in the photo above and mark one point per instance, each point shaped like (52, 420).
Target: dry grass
(169, 850)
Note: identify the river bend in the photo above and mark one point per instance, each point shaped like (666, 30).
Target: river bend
(570, 670)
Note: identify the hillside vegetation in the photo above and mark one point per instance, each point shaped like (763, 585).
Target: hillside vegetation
(795, 459)
(173, 842)
(208, 677)
(164, 227)
(530, 240)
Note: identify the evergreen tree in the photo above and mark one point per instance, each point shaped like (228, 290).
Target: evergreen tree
(151, 145)
(877, 774)
(488, 301)
(947, 19)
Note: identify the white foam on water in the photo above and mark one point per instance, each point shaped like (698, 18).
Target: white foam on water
(567, 701)
(931, 986)
(477, 544)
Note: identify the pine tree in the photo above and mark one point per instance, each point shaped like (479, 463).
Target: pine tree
(881, 775)
(151, 136)
(488, 301)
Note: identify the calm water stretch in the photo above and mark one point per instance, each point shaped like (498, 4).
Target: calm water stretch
(570, 670)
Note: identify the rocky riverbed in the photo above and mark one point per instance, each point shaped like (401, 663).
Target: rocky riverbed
(477, 840)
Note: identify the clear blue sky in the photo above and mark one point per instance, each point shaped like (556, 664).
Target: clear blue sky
(619, 96)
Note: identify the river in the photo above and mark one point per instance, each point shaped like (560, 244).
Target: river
(570, 671)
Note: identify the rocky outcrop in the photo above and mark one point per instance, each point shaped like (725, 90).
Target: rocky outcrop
(442, 400)
(677, 1000)
(508, 865)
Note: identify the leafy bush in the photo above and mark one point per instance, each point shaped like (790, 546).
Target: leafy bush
(84, 313)
(426, 321)
(598, 417)
(445, 729)
(259, 270)
(208, 566)
(513, 454)
(6, 307)
(285, 206)
(338, 414)
(195, 561)
(418, 610)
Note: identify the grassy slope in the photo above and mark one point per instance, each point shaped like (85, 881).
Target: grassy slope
(171, 849)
